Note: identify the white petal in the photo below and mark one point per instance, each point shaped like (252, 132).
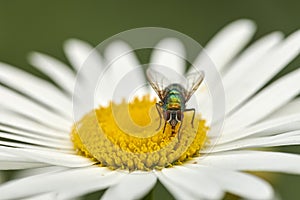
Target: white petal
(265, 102)
(219, 52)
(46, 196)
(265, 128)
(255, 78)
(56, 70)
(10, 157)
(244, 62)
(57, 181)
(35, 135)
(176, 190)
(9, 161)
(132, 186)
(227, 43)
(99, 183)
(170, 54)
(241, 184)
(83, 55)
(37, 171)
(33, 146)
(17, 165)
(254, 161)
(199, 184)
(168, 57)
(290, 109)
(122, 76)
(77, 51)
(92, 67)
(88, 185)
(205, 102)
(36, 88)
(24, 137)
(24, 106)
(50, 157)
(289, 138)
(21, 122)
(250, 56)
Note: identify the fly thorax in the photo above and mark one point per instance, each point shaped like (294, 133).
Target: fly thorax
(174, 100)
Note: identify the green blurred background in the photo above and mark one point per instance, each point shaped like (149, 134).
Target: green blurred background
(44, 26)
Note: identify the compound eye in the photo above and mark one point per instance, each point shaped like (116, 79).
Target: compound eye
(167, 115)
(179, 115)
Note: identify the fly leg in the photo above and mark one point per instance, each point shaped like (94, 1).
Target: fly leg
(164, 127)
(179, 130)
(158, 108)
(191, 109)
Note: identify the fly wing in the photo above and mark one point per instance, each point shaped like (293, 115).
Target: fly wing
(158, 82)
(194, 80)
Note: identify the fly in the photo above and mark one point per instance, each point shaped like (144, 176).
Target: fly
(173, 97)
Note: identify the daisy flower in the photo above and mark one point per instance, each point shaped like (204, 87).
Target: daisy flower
(63, 145)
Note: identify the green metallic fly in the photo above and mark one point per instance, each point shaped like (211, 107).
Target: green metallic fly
(173, 97)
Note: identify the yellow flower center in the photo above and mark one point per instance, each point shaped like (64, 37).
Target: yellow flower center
(125, 136)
